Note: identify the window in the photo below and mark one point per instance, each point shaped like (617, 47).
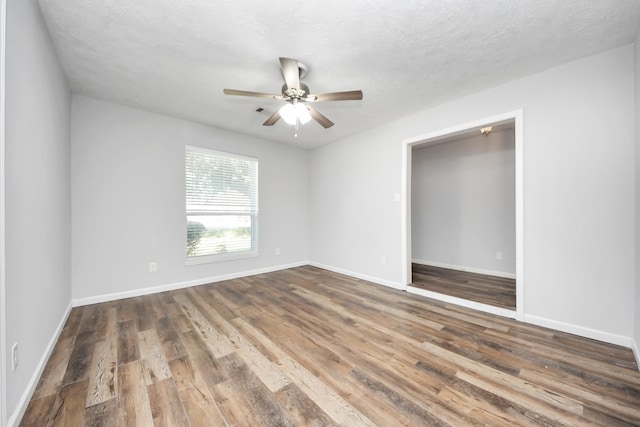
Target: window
(221, 205)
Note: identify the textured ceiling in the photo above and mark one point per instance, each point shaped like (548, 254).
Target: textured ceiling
(176, 56)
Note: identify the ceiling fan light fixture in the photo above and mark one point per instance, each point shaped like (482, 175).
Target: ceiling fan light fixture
(303, 114)
(290, 112)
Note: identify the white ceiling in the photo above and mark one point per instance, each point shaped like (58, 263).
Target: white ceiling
(176, 56)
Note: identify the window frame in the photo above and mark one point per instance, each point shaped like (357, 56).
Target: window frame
(254, 214)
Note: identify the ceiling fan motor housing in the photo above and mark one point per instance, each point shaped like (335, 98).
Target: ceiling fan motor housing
(295, 93)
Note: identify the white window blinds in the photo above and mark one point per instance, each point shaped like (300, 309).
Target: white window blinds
(221, 204)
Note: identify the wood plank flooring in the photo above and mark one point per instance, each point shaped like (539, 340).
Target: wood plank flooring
(491, 290)
(307, 347)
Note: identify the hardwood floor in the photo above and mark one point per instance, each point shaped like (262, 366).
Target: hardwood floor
(309, 347)
(491, 290)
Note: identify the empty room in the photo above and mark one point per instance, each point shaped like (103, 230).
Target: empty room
(360, 213)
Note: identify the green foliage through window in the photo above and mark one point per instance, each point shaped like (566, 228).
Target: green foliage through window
(195, 230)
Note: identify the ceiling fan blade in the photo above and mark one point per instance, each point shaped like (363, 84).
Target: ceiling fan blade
(318, 117)
(350, 95)
(291, 72)
(273, 119)
(248, 93)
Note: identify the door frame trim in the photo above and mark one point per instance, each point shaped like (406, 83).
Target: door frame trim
(518, 117)
(3, 323)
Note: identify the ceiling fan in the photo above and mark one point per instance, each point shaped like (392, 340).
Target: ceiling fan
(296, 94)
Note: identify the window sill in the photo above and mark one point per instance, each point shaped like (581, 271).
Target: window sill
(209, 259)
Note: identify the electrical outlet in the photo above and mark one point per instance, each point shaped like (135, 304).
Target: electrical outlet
(153, 266)
(277, 251)
(383, 260)
(14, 357)
(499, 255)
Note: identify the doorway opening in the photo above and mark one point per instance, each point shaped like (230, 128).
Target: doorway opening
(463, 215)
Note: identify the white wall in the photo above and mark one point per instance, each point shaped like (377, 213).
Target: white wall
(578, 201)
(463, 202)
(38, 278)
(128, 199)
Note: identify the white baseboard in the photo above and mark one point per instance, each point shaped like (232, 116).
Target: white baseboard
(580, 330)
(467, 269)
(372, 279)
(636, 352)
(15, 418)
(463, 302)
(180, 285)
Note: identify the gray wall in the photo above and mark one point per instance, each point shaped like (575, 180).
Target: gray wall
(463, 202)
(636, 332)
(578, 192)
(38, 200)
(354, 213)
(128, 199)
